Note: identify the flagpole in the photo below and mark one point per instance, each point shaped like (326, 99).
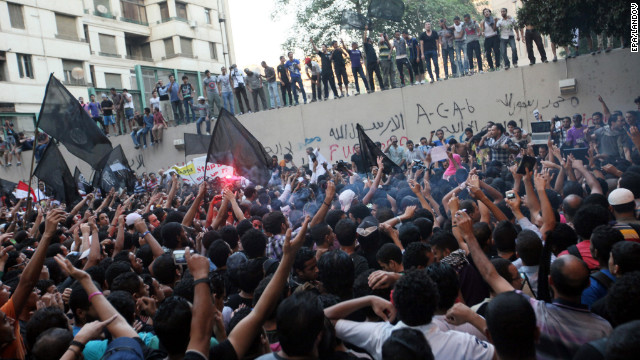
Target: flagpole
(33, 155)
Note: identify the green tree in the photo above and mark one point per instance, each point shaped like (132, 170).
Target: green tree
(320, 19)
(559, 18)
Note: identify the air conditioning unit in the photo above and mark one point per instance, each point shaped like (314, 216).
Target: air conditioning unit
(193, 24)
(567, 86)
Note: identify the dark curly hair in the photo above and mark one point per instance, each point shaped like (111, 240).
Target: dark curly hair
(625, 291)
(415, 297)
(447, 281)
(337, 273)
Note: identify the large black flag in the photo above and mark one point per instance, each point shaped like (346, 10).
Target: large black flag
(81, 181)
(54, 172)
(370, 153)
(232, 144)
(387, 9)
(64, 119)
(196, 144)
(7, 186)
(114, 172)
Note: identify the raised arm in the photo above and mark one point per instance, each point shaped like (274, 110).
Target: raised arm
(31, 273)
(231, 199)
(376, 182)
(605, 108)
(141, 227)
(81, 204)
(193, 210)
(548, 218)
(591, 180)
(326, 204)
(202, 311)
(315, 49)
(173, 191)
(244, 333)
(475, 191)
(94, 248)
(481, 261)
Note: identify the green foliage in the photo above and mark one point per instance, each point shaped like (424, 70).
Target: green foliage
(320, 19)
(559, 18)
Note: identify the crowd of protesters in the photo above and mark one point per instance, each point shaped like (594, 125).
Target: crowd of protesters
(461, 258)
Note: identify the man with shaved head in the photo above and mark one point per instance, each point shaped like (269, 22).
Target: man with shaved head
(570, 205)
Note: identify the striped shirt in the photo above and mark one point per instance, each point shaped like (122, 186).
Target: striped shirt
(564, 327)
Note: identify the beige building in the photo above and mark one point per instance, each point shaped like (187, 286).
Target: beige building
(94, 45)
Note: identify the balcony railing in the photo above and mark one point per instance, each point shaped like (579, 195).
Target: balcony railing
(75, 82)
(104, 15)
(138, 58)
(134, 21)
(70, 38)
(176, 18)
(190, 56)
(106, 54)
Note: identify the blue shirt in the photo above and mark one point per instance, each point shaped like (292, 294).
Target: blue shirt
(439, 143)
(292, 66)
(94, 108)
(596, 291)
(174, 92)
(414, 47)
(148, 121)
(356, 58)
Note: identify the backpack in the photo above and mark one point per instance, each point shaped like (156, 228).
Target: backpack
(573, 250)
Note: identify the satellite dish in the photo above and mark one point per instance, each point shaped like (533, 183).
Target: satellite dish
(102, 9)
(77, 73)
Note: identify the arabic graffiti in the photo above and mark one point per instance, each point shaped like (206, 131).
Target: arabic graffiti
(520, 105)
(279, 149)
(348, 131)
(443, 111)
(139, 159)
(345, 151)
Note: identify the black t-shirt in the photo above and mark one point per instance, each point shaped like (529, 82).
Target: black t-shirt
(359, 161)
(325, 59)
(338, 59)
(282, 72)
(370, 53)
(430, 42)
(223, 351)
(107, 104)
(165, 96)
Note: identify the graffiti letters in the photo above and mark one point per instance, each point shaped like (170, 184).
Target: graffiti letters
(518, 106)
(446, 111)
(349, 131)
(308, 141)
(279, 149)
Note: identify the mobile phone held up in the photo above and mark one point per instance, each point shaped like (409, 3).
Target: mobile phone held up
(178, 257)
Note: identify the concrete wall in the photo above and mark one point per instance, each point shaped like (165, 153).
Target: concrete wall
(412, 112)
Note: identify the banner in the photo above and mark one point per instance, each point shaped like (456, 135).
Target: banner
(193, 171)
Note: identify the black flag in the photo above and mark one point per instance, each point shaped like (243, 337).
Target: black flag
(232, 144)
(54, 172)
(387, 9)
(196, 144)
(64, 119)
(353, 20)
(114, 172)
(81, 181)
(7, 187)
(370, 153)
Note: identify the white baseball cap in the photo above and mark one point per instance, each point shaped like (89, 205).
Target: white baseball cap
(620, 196)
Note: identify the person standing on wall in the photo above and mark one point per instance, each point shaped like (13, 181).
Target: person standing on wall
(400, 44)
(213, 92)
(118, 108)
(293, 65)
(225, 85)
(129, 109)
(373, 63)
(176, 99)
(187, 91)
(491, 39)
(508, 30)
(340, 67)
(239, 88)
(107, 115)
(254, 82)
(446, 45)
(272, 85)
(316, 87)
(429, 41)
(285, 82)
(165, 101)
(459, 44)
(414, 57)
(472, 33)
(356, 65)
(327, 70)
(388, 72)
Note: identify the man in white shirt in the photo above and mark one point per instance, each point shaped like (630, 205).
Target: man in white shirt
(395, 151)
(128, 107)
(509, 34)
(415, 298)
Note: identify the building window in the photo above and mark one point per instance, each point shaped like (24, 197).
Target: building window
(213, 50)
(3, 66)
(66, 27)
(186, 47)
(16, 15)
(113, 81)
(168, 47)
(103, 7)
(181, 10)
(25, 67)
(107, 44)
(207, 16)
(134, 11)
(73, 72)
(164, 10)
